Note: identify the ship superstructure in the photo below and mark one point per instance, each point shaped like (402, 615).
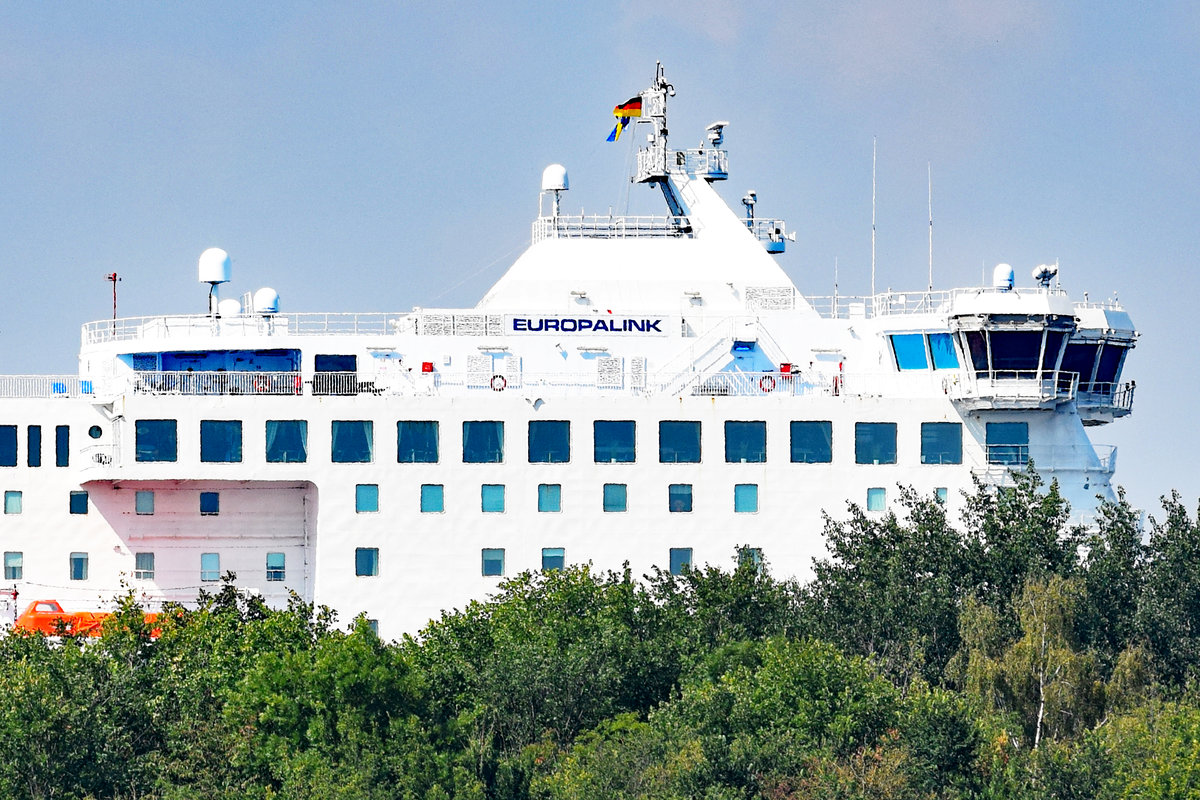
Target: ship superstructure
(650, 390)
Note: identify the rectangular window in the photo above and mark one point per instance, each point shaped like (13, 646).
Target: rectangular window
(79, 566)
(143, 502)
(549, 441)
(276, 566)
(876, 499)
(681, 559)
(143, 566)
(62, 446)
(679, 497)
(549, 497)
(751, 556)
(1007, 443)
(613, 441)
(874, 443)
(12, 502)
(432, 498)
(909, 349)
(493, 561)
(679, 442)
(615, 497)
(14, 565)
(210, 504)
(287, 441)
(156, 440)
(417, 441)
(941, 347)
(353, 441)
(745, 442)
(745, 498)
(492, 498)
(8, 445)
(483, 442)
(33, 449)
(812, 442)
(79, 502)
(941, 443)
(366, 562)
(210, 566)
(221, 441)
(553, 558)
(942, 494)
(366, 498)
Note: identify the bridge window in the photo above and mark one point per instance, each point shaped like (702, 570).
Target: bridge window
(549, 441)
(1007, 443)
(483, 442)
(909, 349)
(287, 441)
(1054, 340)
(941, 443)
(432, 498)
(276, 566)
(14, 565)
(1016, 351)
(156, 440)
(353, 441)
(220, 441)
(812, 442)
(1109, 367)
(143, 566)
(616, 497)
(614, 441)
(681, 559)
(1081, 359)
(79, 566)
(679, 442)
(549, 497)
(977, 348)
(745, 442)
(941, 347)
(875, 443)
(553, 558)
(493, 561)
(417, 441)
(679, 497)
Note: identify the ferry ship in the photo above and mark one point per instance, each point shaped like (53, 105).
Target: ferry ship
(644, 390)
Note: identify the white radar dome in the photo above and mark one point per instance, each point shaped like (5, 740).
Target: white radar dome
(215, 266)
(266, 301)
(554, 178)
(1003, 277)
(229, 307)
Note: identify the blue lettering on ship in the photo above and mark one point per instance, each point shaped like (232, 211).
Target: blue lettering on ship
(585, 324)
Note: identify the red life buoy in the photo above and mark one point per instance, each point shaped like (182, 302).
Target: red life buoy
(299, 384)
(766, 383)
(498, 383)
(261, 384)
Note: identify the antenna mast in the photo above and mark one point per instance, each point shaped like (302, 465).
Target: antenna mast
(873, 141)
(929, 167)
(112, 276)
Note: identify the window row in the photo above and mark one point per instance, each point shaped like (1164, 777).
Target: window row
(143, 502)
(614, 498)
(33, 445)
(143, 566)
(549, 441)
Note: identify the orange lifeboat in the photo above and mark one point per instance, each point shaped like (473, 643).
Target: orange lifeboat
(47, 617)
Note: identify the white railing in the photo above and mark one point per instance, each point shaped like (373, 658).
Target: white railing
(17, 386)
(598, 226)
(999, 459)
(183, 326)
(222, 383)
(891, 303)
(1013, 386)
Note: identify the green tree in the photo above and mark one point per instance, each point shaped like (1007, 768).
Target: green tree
(1168, 615)
(1113, 573)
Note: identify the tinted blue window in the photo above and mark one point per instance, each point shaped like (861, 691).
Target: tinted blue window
(492, 498)
(417, 441)
(353, 441)
(549, 441)
(276, 566)
(210, 503)
(79, 566)
(366, 561)
(12, 502)
(553, 558)
(8, 445)
(941, 443)
(220, 440)
(679, 497)
(1007, 442)
(62, 446)
(910, 351)
(614, 441)
(483, 442)
(1017, 351)
(745, 442)
(549, 497)
(156, 440)
(812, 442)
(366, 498)
(876, 499)
(745, 498)
(615, 497)
(679, 442)
(941, 346)
(34, 454)
(942, 494)
(287, 441)
(875, 443)
(79, 503)
(432, 498)
(493, 560)
(681, 558)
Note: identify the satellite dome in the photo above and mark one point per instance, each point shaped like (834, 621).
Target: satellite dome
(266, 301)
(554, 178)
(229, 307)
(215, 266)
(1003, 277)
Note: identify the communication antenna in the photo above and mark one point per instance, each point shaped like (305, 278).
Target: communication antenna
(929, 167)
(835, 286)
(873, 141)
(114, 278)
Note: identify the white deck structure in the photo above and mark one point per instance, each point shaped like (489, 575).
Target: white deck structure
(643, 390)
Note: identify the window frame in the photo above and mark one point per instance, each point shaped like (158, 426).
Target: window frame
(670, 428)
(862, 439)
(361, 563)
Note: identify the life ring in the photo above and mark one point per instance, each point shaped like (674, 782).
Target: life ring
(262, 385)
(766, 383)
(299, 384)
(498, 383)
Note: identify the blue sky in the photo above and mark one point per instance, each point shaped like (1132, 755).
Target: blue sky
(376, 156)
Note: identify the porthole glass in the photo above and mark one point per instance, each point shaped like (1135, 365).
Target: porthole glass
(95, 432)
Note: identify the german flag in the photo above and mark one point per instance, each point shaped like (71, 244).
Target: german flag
(624, 112)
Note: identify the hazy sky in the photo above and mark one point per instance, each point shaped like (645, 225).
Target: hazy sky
(374, 156)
